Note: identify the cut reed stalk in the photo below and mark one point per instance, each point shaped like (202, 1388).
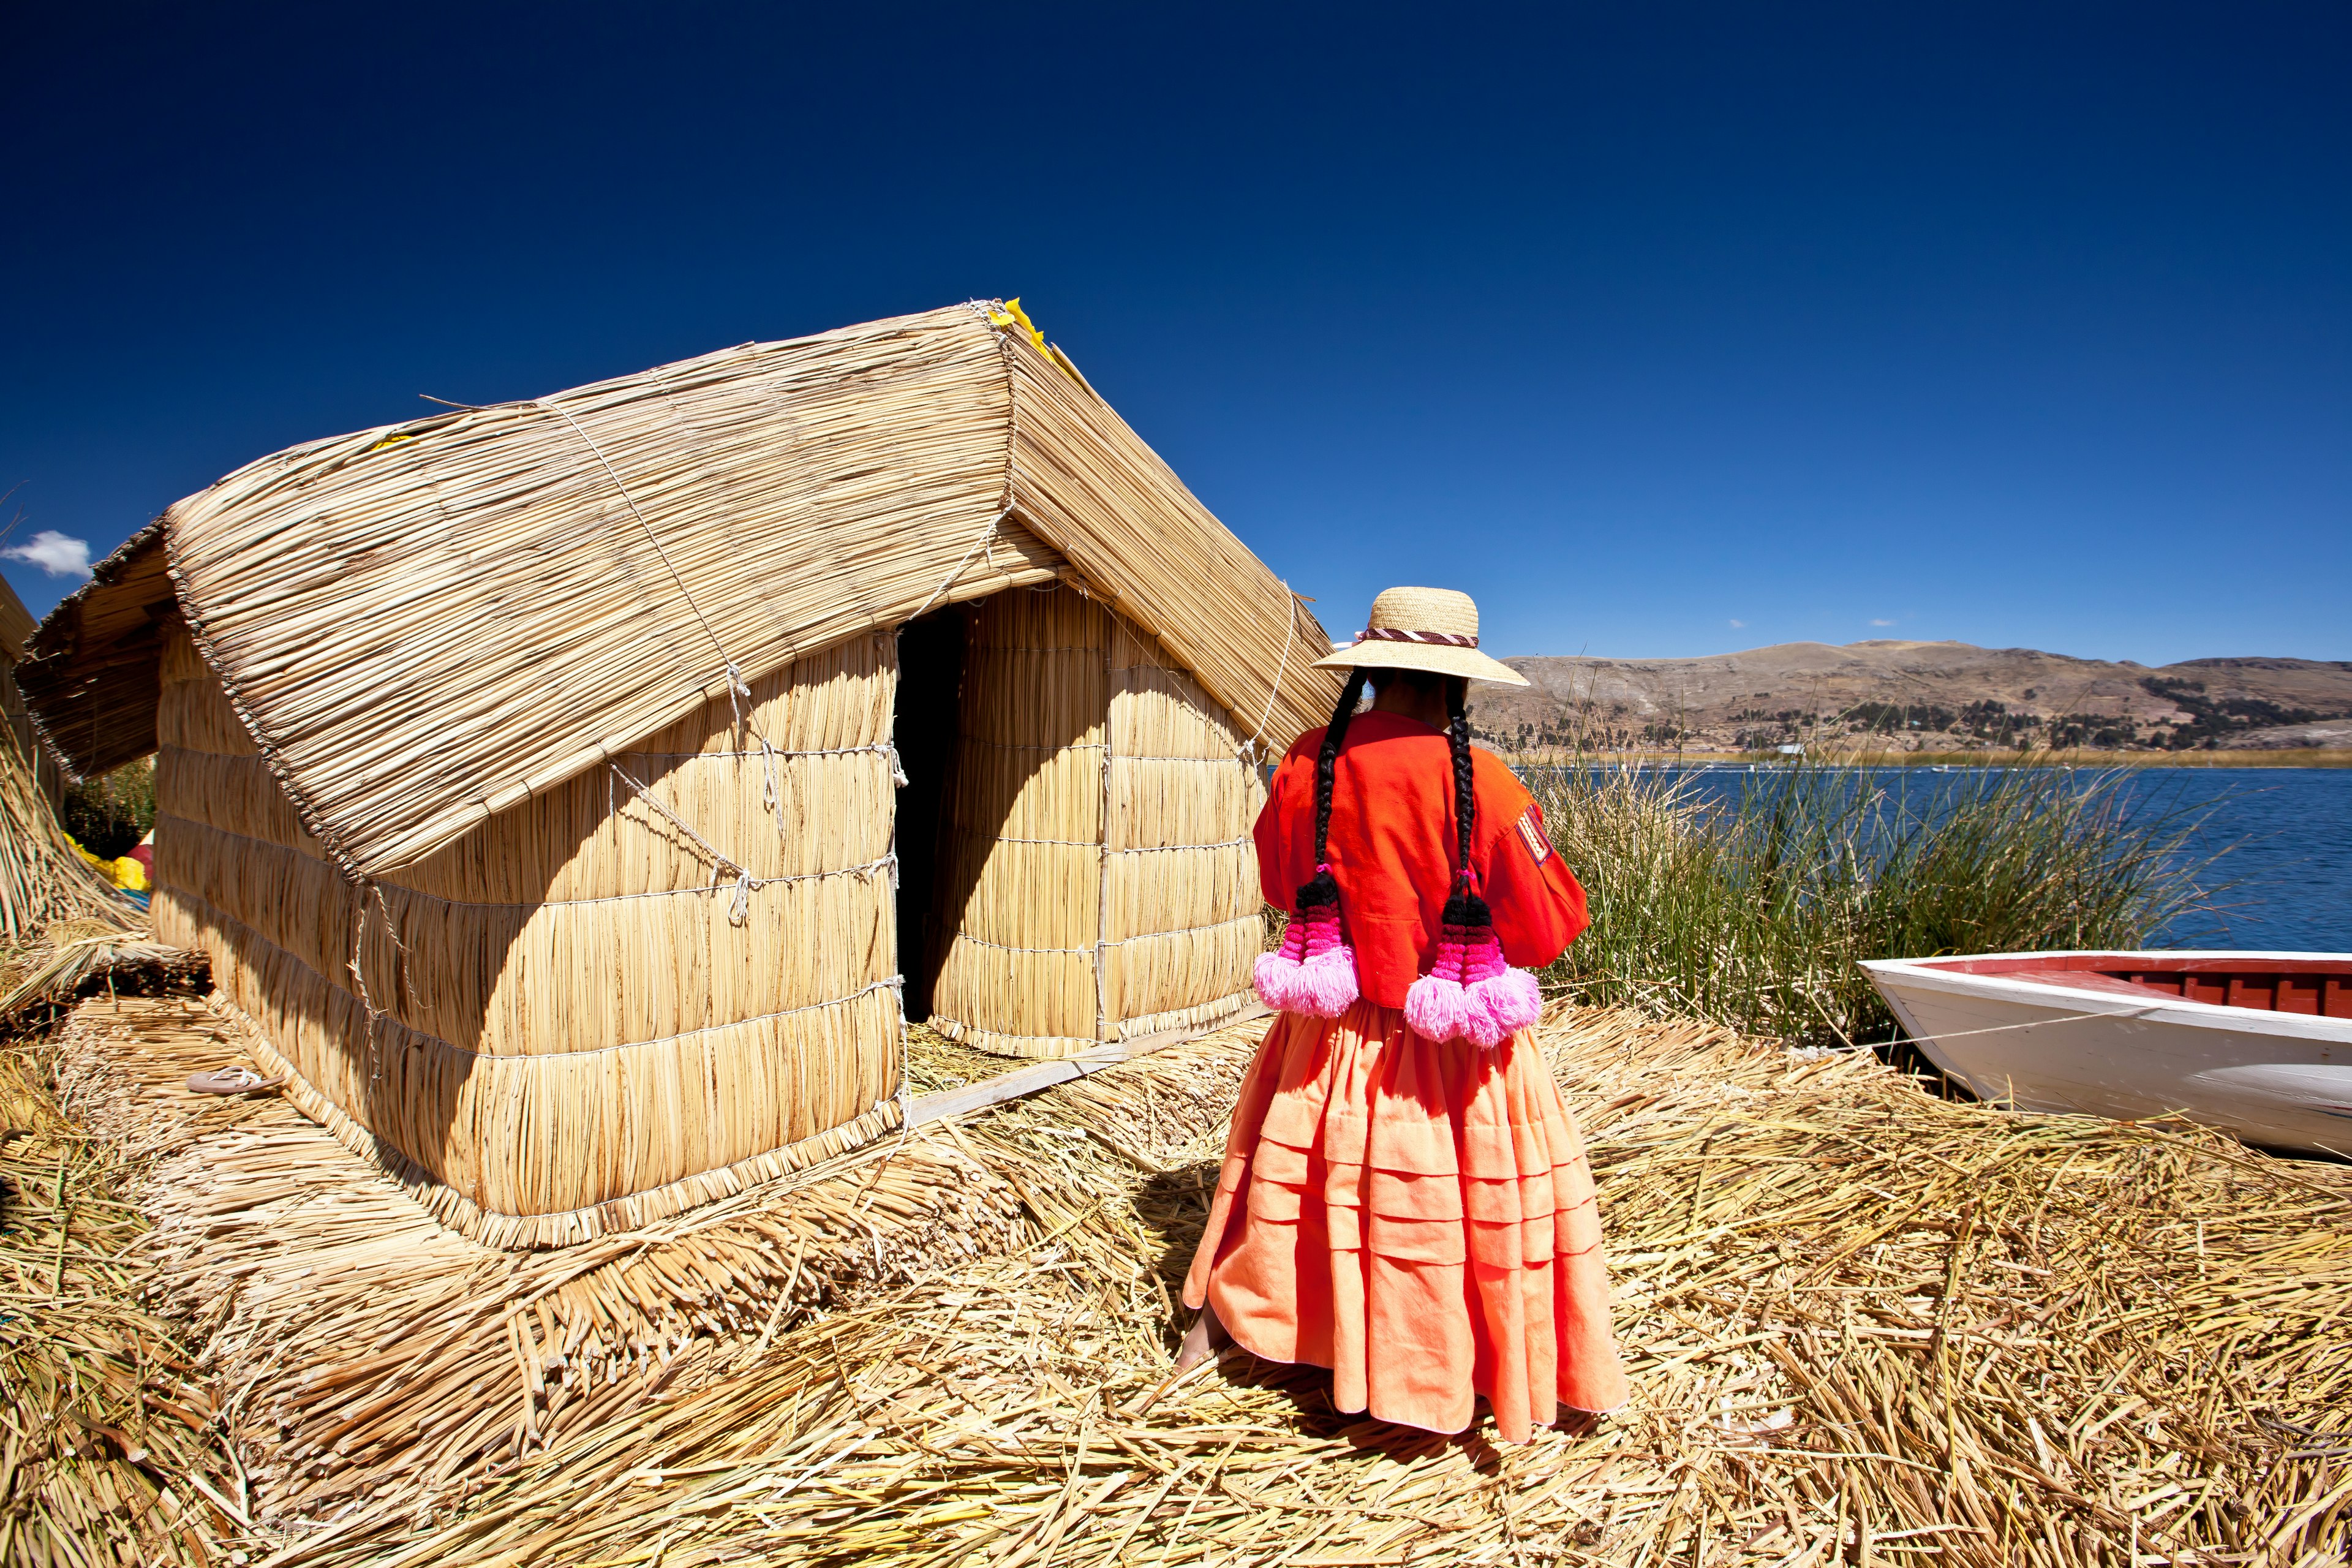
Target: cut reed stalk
(604, 555)
(1863, 1323)
(1103, 885)
(115, 1450)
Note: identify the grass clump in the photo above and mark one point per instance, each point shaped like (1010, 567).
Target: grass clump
(1753, 909)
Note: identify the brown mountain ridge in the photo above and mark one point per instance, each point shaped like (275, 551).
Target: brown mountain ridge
(1917, 696)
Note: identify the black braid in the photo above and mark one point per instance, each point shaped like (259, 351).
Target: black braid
(1326, 760)
(1321, 889)
(1463, 907)
(1465, 799)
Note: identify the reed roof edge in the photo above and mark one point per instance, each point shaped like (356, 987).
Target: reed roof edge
(421, 620)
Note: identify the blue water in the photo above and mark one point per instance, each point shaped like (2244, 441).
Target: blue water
(2287, 838)
(2280, 841)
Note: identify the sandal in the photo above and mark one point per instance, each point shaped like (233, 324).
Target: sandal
(238, 1079)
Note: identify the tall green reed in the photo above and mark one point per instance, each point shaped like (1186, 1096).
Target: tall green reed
(1753, 908)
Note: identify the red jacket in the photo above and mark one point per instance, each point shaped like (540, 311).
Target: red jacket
(1392, 850)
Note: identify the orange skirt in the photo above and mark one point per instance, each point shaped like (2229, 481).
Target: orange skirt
(1420, 1218)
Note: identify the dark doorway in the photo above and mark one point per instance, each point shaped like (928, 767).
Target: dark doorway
(924, 730)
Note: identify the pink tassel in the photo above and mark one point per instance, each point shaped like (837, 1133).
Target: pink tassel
(1315, 972)
(1327, 984)
(1478, 1023)
(1277, 979)
(1512, 1001)
(1435, 1008)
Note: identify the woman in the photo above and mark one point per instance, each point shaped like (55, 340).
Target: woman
(1404, 1198)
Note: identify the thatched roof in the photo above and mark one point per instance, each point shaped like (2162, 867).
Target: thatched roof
(424, 624)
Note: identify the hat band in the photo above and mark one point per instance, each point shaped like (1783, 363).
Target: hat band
(1398, 634)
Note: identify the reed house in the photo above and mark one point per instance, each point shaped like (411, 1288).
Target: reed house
(578, 797)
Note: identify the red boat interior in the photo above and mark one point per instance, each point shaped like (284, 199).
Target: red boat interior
(2316, 987)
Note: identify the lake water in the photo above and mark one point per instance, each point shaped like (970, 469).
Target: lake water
(2284, 836)
(2288, 833)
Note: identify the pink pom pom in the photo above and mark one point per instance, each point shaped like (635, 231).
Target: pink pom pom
(1327, 984)
(1277, 979)
(1512, 1001)
(1434, 1008)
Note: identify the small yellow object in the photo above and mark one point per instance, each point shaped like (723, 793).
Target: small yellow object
(1013, 315)
(125, 873)
(1028, 326)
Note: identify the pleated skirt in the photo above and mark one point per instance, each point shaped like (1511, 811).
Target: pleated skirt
(1420, 1218)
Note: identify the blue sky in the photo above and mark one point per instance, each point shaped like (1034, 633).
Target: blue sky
(1665, 330)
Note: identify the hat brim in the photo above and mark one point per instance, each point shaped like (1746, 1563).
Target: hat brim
(1436, 658)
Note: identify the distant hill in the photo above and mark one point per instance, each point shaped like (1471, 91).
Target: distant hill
(1917, 696)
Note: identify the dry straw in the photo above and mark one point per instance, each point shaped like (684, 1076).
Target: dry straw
(426, 625)
(1865, 1325)
(1099, 823)
(528, 774)
(113, 1451)
(558, 1026)
(42, 880)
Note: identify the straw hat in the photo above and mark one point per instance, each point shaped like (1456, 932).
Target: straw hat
(1423, 629)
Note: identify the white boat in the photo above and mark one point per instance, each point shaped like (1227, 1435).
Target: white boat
(2257, 1043)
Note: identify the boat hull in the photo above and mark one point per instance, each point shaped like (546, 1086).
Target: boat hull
(2279, 1080)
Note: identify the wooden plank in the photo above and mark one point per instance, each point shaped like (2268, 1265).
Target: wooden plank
(2298, 996)
(1022, 1082)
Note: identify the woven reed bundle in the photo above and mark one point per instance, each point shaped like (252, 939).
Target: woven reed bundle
(370, 1350)
(556, 1025)
(90, 677)
(1181, 907)
(426, 625)
(456, 776)
(1103, 882)
(42, 880)
(1865, 1325)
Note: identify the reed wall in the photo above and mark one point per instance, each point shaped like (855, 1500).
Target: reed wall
(563, 1023)
(1101, 881)
(1182, 924)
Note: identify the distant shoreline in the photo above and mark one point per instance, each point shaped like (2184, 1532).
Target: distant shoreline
(1563, 756)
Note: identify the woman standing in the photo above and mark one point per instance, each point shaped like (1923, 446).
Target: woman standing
(1404, 1198)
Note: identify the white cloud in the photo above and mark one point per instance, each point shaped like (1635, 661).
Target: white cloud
(54, 553)
(1877, 622)
(1740, 625)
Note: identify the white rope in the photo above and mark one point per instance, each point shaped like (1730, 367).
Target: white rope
(1140, 849)
(1121, 941)
(2126, 1016)
(870, 868)
(868, 990)
(1248, 752)
(359, 978)
(630, 501)
(716, 854)
(986, 540)
(883, 747)
(738, 907)
(1169, 848)
(737, 687)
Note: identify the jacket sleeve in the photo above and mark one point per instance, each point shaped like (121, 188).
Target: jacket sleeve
(1280, 823)
(1537, 902)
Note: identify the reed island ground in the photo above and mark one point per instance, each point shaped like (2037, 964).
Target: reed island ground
(1865, 1323)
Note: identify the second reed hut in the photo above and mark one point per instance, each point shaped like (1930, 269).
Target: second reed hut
(577, 796)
